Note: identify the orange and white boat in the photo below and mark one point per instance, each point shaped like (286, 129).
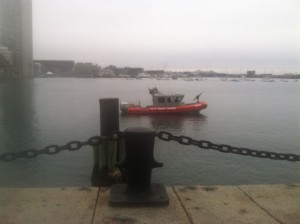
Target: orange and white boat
(164, 104)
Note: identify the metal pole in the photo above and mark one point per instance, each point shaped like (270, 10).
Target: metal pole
(109, 116)
(104, 155)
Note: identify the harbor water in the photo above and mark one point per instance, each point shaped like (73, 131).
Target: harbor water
(35, 113)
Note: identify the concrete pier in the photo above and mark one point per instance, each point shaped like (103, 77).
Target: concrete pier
(188, 204)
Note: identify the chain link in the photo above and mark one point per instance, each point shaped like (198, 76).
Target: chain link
(163, 135)
(184, 140)
(54, 149)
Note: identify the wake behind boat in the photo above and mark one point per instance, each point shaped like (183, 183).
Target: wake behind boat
(164, 104)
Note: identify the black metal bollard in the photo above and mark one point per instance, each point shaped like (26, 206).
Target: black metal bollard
(138, 163)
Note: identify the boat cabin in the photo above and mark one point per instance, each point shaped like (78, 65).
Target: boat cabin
(165, 100)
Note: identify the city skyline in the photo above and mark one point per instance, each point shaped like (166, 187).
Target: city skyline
(231, 36)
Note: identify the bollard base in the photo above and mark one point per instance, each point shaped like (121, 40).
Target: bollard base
(101, 179)
(157, 196)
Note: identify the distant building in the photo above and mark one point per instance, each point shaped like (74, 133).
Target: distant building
(115, 71)
(86, 70)
(155, 72)
(57, 67)
(110, 71)
(37, 69)
(131, 71)
(16, 35)
(250, 74)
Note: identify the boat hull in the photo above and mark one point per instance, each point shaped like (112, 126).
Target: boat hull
(182, 109)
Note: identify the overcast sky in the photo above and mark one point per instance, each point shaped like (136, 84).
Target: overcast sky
(224, 35)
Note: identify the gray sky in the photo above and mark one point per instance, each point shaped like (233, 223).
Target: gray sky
(224, 35)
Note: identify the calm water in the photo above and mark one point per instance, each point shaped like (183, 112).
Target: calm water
(258, 115)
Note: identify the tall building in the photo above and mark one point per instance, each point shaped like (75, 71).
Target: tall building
(16, 35)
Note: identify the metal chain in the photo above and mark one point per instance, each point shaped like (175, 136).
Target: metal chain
(54, 149)
(184, 140)
(165, 136)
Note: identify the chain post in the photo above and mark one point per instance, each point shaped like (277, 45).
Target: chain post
(105, 156)
(138, 163)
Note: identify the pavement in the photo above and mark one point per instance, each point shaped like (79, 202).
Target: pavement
(279, 204)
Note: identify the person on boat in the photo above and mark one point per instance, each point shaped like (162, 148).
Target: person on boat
(197, 97)
(153, 91)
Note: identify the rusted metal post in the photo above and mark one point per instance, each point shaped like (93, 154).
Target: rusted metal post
(105, 155)
(138, 163)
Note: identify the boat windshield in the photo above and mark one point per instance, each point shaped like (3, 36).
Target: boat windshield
(167, 100)
(161, 100)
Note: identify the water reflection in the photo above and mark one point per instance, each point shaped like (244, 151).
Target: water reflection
(175, 122)
(17, 114)
(169, 122)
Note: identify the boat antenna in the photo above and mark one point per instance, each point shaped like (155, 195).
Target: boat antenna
(197, 97)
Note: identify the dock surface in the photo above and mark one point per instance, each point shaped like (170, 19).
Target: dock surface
(188, 204)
